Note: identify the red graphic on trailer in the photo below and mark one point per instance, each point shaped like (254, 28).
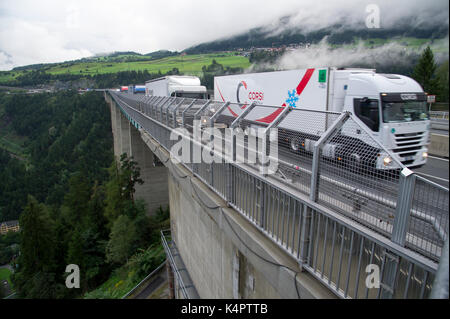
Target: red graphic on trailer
(293, 96)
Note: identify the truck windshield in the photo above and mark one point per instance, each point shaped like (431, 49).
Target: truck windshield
(405, 111)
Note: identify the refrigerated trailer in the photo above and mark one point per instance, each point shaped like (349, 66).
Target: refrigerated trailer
(392, 107)
(139, 89)
(136, 88)
(176, 86)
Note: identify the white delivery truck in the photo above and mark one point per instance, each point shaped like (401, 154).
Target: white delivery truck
(176, 86)
(392, 107)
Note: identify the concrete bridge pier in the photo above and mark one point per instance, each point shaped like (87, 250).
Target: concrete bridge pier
(154, 191)
(127, 139)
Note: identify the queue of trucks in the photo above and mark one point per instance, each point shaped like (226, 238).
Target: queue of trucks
(391, 107)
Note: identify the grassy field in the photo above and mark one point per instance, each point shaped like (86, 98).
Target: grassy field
(191, 64)
(188, 64)
(9, 76)
(5, 273)
(115, 288)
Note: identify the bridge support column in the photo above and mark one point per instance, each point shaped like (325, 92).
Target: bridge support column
(154, 191)
(124, 134)
(127, 139)
(115, 126)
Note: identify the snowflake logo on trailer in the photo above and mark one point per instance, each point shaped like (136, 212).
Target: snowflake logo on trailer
(292, 99)
(293, 96)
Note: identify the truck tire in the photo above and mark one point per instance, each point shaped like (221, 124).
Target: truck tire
(294, 144)
(355, 163)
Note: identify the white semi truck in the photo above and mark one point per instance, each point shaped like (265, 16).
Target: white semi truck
(176, 86)
(392, 107)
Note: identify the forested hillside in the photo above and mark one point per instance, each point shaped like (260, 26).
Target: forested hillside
(271, 36)
(74, 202)
(66, 133)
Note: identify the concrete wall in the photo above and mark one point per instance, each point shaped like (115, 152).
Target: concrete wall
(439, 145)
(225, 255)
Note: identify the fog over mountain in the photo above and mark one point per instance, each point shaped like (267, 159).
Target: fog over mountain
(54, 31)
(391, 57)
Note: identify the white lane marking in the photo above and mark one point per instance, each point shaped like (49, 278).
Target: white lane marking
(438, 158)
(439, 178)
(439, 134)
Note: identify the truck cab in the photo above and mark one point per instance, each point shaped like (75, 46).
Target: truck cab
(393, 107)
(176, 86)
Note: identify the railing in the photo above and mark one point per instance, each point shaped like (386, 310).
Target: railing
(156, 270)
(187, 289)
(335, 214)
(439, 115)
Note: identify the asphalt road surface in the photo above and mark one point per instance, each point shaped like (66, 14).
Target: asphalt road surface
(436, 169)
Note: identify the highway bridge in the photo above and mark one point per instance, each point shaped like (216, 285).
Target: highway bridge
(312, 228)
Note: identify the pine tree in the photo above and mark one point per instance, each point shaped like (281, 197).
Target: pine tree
(36, 276)
(442, 74)
(121, 242)
(121, 187)
(37, 238)
(424, 72)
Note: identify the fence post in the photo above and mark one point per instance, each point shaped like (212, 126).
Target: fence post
(212, 120)
(440, 284)
(266, 137)
(174, 112)
(389, 269)
(399, 230)
(262, 196)
(183, 114)
(173, 102)
(305, 235)
(316, 155)
(229, 180)
(403, 208)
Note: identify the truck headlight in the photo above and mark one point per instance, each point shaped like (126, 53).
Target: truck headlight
(387, 161)
(425, 154)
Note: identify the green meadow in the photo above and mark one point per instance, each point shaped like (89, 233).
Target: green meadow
(191, 64)
(188, 64)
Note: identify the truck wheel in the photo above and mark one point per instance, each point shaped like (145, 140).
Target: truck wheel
(295, 144)
(355, 163)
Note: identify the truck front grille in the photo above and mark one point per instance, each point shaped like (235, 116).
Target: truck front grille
(408, 146)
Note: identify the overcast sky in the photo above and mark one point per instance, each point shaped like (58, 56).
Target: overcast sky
(55, 31)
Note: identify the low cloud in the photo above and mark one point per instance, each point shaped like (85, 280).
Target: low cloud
(323, 54)
(54, 31)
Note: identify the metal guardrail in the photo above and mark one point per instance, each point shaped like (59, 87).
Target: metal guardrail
(10, 296)
(335, 217)
(143, 280)
(187, 289)
(440, 115)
